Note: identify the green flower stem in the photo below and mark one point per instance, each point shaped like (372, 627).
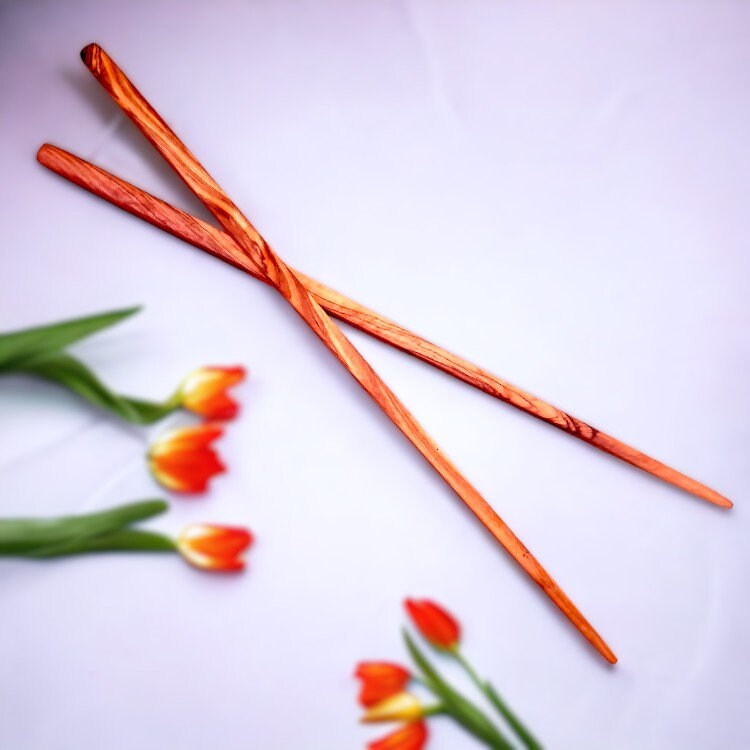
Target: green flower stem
(454, 703)
(124, 540)
(70, 373)
(527, 738)
(438, 708)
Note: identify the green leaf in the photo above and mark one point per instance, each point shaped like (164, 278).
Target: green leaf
(19, 345)
(22, 536)
(122, 540)
(460, 708)
(72, 374)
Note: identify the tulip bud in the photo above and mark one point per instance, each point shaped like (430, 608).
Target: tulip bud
(436, 625)
(216, 548)
(204, 391)
(183, 460)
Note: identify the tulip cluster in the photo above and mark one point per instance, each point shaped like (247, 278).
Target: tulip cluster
(182, 460)
(385, 693)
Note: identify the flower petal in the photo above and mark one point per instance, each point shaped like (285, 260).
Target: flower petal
(187, 438)
(218, 541)
(187, 471)
(380, 680)
(409, 737)
(399, 707)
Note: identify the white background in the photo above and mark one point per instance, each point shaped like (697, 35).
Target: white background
(557, 191)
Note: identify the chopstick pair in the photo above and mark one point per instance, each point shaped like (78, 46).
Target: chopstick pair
(218, 243)
(243, 246)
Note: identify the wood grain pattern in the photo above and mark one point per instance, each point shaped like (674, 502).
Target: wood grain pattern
(293, 289)
(219, 243)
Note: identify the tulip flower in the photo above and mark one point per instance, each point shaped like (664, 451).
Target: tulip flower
(184, 461)
(215, 548)
(437, 626)
(204, 391)
(205, 546)
(400, 707)
(385, 698)
(380, 680)
(409, 737)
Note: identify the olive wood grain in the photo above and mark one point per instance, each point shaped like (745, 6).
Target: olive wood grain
(220, 244)
(294, 291)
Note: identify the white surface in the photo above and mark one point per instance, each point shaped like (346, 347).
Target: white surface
(557, 191)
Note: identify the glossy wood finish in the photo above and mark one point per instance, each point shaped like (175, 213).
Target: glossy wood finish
(218, 243)
(293, 289)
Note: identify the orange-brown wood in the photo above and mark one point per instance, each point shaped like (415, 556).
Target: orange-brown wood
(293, 289)
(219, 243)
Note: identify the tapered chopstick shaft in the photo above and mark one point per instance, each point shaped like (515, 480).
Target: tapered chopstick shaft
(219, 243)
(293, 290)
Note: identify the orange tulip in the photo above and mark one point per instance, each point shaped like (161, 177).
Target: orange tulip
(380, 680)
(183, 460)
(205, 391)
(217, 548)
(409, 737)
(434, 623)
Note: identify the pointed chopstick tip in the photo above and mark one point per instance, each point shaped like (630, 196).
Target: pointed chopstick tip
(714, 497)
(600, 645)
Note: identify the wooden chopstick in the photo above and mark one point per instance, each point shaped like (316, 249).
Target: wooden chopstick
(293, 290)
(218, 243)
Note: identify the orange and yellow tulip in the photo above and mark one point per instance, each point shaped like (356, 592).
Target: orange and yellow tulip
(380, 680)
(204, 392)
(439, 627)
(184, 461)
(215, 548)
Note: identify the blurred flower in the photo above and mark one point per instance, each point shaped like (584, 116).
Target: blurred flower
(399, 707)
(205, 391)
(380, 680)
(438, 626)
(409, 737)
(217, 548)
(183, 460)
